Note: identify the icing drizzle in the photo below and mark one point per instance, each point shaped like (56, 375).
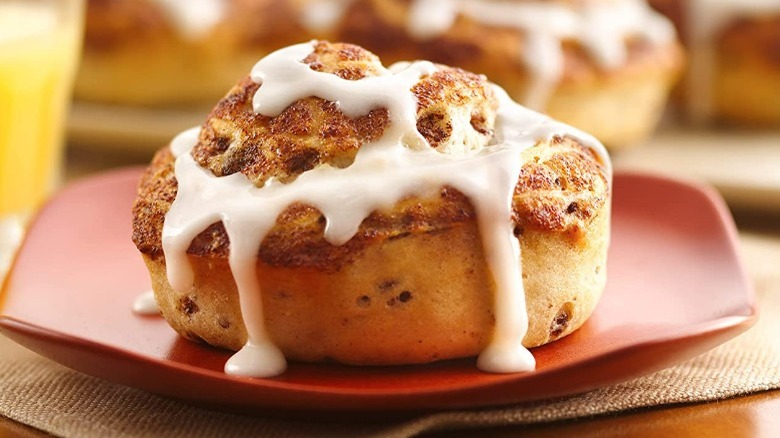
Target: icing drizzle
(399, 164)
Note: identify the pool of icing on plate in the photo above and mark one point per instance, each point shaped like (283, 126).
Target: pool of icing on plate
(399, 164)
(146, 304)
(601, 27)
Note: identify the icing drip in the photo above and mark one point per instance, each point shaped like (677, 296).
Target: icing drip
(705, 19)
(194, 18)
(145, 304)
(322, 15)
(601, 27)
(544, 59)
(399, 164)
(430, 18)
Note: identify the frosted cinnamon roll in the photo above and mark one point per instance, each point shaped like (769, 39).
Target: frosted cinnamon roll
(331, 208)
(734, 59)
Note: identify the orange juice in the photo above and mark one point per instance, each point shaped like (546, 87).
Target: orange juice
(39, 48)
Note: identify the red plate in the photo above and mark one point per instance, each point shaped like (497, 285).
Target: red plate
(676, 288)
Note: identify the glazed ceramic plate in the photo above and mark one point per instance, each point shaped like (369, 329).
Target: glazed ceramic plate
(676, 289)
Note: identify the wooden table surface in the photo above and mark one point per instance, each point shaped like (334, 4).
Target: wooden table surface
(750, 416)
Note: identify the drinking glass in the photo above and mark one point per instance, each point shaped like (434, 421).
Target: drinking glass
(40, 44)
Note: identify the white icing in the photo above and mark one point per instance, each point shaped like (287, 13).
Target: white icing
(430, 18)
(145, 304)
(401, 163)
(705, 19)
(194, 18)
(322, 15)
(546, 74)
(182, 143)
(602, 28)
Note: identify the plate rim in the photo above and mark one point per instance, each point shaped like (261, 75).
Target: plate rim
(706, 336)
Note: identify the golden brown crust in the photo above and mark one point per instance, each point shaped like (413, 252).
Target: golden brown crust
(560, 189)
(346, 61)
(308, 133)
(156, 191)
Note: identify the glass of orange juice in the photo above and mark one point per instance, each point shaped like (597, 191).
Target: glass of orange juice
(40, 42)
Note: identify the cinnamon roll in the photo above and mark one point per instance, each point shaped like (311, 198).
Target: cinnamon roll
(332, 208)
(734, 51)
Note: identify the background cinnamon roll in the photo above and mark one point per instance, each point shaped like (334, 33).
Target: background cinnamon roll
(601, 65)
(734, 59)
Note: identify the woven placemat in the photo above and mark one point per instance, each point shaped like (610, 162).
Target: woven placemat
(40, 393)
